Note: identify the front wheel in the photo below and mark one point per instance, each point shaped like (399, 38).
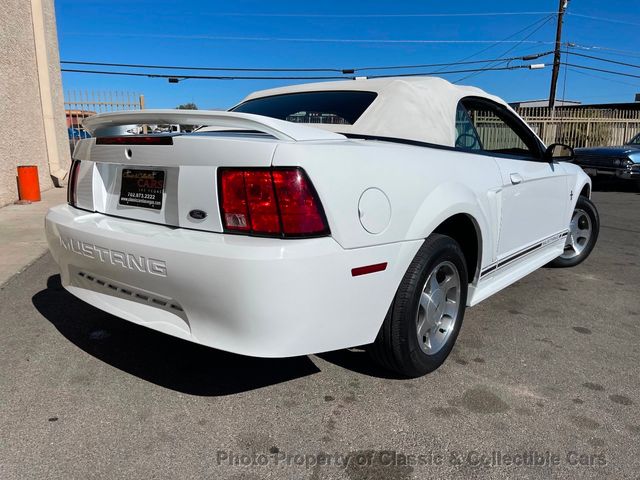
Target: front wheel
(423, 322)
(583, 234)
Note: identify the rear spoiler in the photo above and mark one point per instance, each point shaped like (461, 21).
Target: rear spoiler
(108, 124)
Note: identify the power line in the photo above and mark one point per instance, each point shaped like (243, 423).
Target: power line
(605, 60)
(508, 50)
(373, 15)
(604, 19)
(211, 69)
(294, 39)
(499, 42)
(532, 56)
(606, 50)
(564, 86)
(205, 77)
(511, 48)
(251, 77)
(612, 72)
(622, 82)
(564, 80)
(337, 70)
(510, 67)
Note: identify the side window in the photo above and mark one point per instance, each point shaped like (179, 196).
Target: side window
(466, 135)
(499, 131)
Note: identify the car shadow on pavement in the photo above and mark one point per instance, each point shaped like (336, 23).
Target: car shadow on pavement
(159, 358)
(359, 361)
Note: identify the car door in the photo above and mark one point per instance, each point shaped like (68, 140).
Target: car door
(534, 196)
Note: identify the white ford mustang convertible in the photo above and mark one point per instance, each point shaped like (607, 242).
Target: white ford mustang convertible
(319, 217)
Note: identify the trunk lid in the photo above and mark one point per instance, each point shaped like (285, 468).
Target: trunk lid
(174, 182)
(181, 176)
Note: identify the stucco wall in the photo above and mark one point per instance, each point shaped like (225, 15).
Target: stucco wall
(55, 80)
(22, 137)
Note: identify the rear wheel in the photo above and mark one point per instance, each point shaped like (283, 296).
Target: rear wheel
(583, 234)
(423, 322)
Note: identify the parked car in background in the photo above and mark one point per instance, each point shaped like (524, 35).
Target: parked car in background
(75, 135)
(405, 201)
(614, 162)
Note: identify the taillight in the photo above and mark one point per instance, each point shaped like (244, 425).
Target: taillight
(72, 185)
(261, 200)
(279, 202)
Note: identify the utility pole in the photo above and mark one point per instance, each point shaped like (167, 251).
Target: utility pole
(562, 7)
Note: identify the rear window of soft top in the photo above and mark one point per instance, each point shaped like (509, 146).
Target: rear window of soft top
(341, 107)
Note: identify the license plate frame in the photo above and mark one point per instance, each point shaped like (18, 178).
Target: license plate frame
(142, 188)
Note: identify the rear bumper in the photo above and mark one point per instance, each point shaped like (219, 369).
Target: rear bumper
(253, 296)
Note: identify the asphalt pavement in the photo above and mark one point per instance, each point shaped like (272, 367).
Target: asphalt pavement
(543, 382)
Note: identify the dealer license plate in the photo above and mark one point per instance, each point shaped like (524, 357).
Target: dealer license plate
(142, 188)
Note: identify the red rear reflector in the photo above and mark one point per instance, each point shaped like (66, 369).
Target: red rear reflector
(135, 140)
(378, 267)
(277, 202)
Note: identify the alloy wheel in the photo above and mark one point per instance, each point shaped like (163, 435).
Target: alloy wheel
(438, 308)
(580, 229)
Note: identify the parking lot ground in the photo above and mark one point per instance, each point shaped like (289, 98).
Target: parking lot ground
(22, 238)
(547, 368)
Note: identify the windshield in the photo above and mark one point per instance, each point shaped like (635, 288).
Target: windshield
(635, 140)
(333, 107)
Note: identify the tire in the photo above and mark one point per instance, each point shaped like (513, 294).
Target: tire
(400, 345)
(583, 234)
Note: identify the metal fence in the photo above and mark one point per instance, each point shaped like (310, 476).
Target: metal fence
(582, 127)
(578, 127)
(79, 104)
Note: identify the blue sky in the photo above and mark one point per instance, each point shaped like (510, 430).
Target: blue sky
(332, 34)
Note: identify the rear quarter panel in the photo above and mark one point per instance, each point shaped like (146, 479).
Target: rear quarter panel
(425, 186)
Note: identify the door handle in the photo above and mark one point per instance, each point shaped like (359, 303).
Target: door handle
(516, 178)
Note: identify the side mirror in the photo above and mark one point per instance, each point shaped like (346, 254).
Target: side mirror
(559, 152)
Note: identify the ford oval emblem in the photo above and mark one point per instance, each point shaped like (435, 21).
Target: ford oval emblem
(198, 214)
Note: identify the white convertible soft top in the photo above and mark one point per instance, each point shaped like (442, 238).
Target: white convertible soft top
(412, 108)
